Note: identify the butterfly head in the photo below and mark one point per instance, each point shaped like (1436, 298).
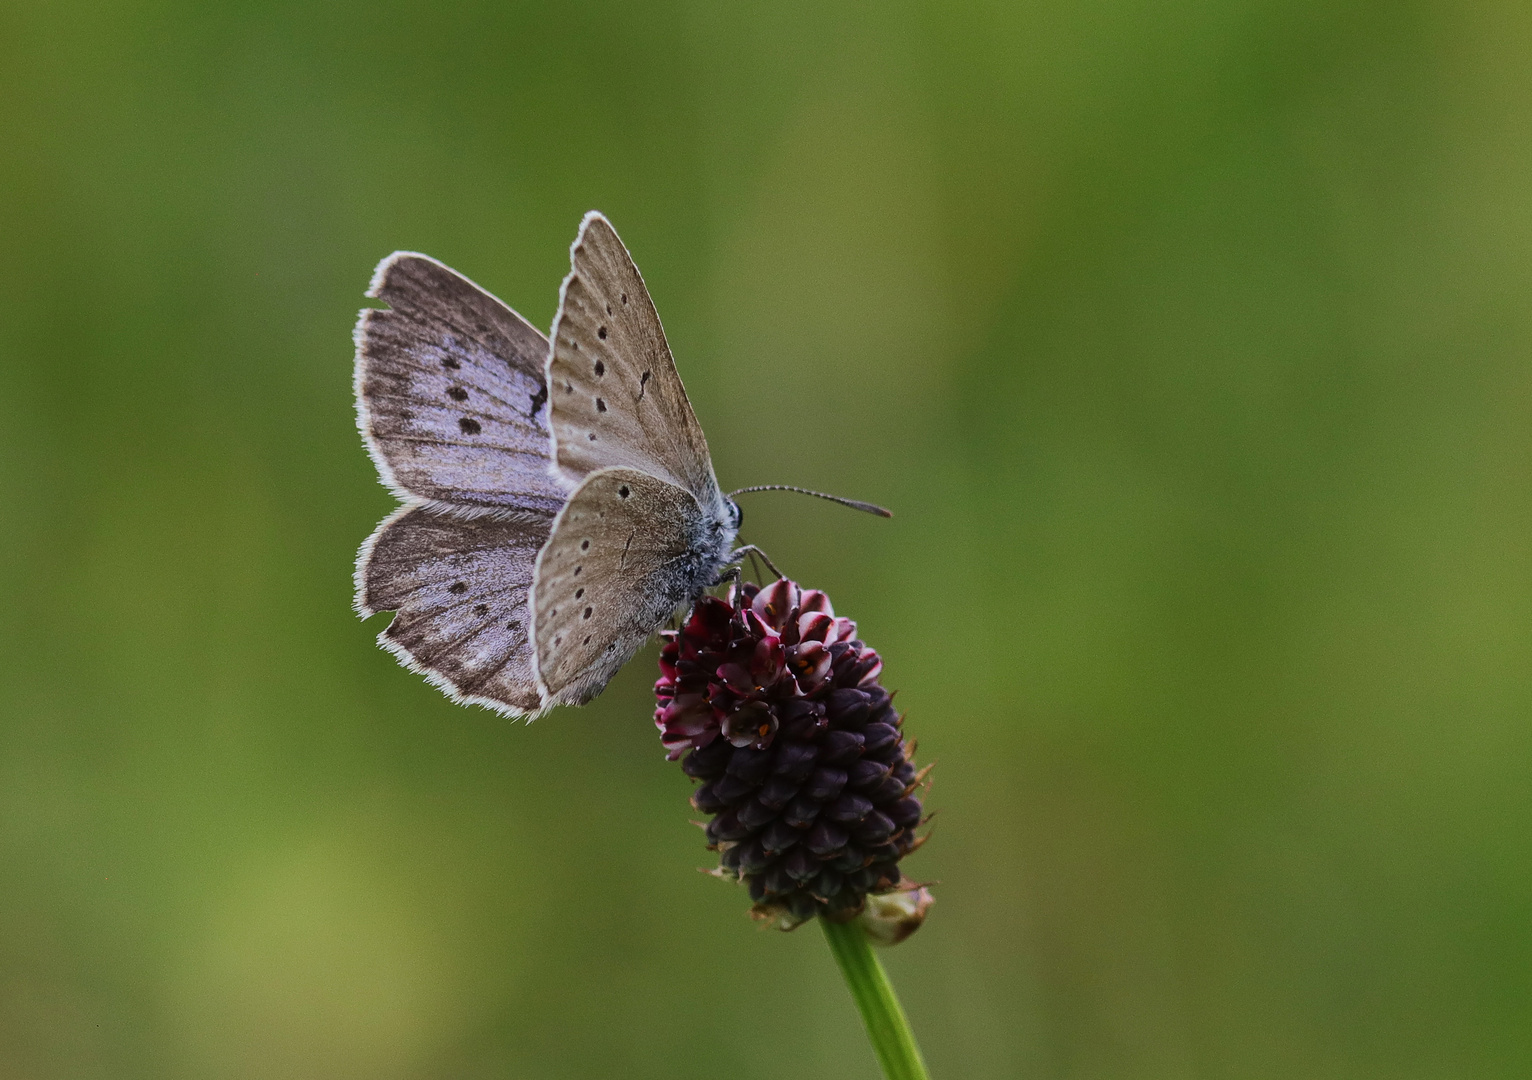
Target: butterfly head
(724, 526)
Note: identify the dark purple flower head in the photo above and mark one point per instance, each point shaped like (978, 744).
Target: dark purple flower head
(776, 706)
(747, 672)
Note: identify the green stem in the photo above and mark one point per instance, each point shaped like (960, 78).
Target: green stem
(889, 1031)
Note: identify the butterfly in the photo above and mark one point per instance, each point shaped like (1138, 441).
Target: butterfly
(559, 501)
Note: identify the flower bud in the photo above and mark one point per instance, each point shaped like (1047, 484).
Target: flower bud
(891, 917)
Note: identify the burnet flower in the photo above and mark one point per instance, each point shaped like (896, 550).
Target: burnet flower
(773, 705)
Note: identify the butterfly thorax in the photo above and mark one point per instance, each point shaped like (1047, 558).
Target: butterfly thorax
(714, 541)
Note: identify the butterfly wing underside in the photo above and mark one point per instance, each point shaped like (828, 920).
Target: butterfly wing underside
(615, 398)
(451, 403)
(618, 562)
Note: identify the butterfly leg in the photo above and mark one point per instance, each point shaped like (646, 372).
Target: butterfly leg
(739, 553)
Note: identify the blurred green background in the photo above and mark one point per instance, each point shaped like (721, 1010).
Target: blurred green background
(1189, 341)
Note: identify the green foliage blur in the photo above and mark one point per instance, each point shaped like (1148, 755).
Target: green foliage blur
(1188, 341)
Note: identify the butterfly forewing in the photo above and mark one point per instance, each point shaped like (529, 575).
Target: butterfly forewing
(461, 588)
(614, 396)
(450, 392)
(623, 554)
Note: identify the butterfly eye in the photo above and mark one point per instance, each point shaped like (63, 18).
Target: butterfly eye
(739, 515)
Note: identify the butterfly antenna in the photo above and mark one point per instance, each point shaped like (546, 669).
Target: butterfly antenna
(855, 504)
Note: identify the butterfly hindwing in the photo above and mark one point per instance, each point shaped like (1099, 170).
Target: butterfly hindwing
(627, 549)
(615, 398)
(461, 589)
(450, 392)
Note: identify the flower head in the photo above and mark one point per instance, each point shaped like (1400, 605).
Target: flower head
(775, 704)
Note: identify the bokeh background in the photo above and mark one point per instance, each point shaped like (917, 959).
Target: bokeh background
(1188, 340)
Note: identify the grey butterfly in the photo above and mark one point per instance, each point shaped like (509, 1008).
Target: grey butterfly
(559, 501)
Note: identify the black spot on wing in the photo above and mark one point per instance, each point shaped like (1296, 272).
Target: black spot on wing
(600, 405)
(600, 367)
(469, 426)
(458, 588)
(481, 609)
(457, 393)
